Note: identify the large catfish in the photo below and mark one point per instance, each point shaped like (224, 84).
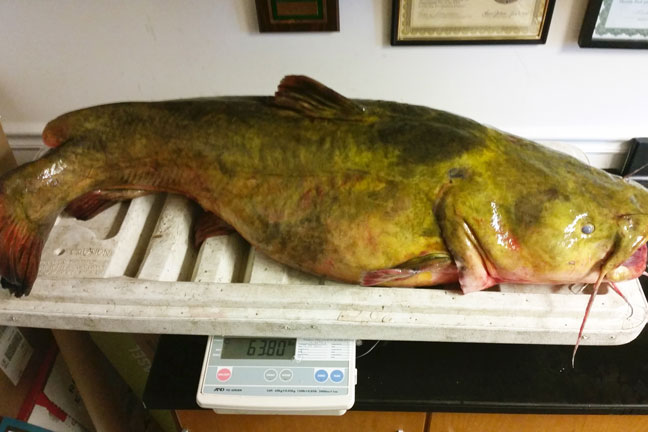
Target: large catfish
(369, 192)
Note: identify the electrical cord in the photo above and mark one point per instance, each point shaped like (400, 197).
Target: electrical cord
(369, 350)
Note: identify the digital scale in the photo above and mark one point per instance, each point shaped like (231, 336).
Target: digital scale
(244, 375)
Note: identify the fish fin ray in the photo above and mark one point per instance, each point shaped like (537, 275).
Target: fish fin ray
(210, 225)
(378, 277)
(432, 262)
(313, 99)
(463, 245)
(91, 204)
(20, 251)
(428, 261)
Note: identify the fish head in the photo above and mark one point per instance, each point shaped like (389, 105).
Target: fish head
(627, 259)
(596, 231)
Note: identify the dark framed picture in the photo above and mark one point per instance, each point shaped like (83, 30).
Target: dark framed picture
(615, 24)
(298, 15)
(437, 22)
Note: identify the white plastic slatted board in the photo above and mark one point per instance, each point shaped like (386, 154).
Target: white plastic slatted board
(133, 268)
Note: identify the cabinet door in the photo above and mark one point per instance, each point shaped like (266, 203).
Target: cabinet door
(352, 421)
(456, 422)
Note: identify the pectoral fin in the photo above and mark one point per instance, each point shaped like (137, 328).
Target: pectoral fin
(464, 247)
(438, 267)
(210, 225)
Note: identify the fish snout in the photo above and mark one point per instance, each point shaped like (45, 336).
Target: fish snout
(628, 261)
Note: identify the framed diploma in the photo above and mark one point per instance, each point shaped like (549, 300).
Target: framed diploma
(615, 24)
(431, 22)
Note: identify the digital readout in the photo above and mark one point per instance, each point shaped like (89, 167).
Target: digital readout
(264, 348)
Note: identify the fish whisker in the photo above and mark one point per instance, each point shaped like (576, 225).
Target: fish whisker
(618, 291)
(630, 174)
(587, 312)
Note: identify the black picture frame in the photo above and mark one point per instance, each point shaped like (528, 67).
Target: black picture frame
(290, 16)
(586, 38)
(541, 37)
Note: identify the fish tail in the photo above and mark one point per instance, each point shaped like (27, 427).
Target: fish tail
(21, 244)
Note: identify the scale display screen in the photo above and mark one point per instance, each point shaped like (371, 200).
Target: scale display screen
(261, 348)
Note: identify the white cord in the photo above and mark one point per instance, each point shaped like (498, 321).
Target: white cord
(369, 350)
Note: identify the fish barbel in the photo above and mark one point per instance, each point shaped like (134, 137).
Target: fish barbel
(361, 191)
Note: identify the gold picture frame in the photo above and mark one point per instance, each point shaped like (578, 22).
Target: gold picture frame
(443, 22)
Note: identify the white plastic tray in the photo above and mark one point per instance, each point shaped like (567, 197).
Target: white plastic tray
(133, 269)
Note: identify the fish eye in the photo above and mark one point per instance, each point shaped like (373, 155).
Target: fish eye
(587, 229)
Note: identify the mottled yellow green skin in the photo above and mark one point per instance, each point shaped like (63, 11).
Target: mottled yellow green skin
(341, 197)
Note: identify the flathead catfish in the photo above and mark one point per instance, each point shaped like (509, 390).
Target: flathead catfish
(368, 192)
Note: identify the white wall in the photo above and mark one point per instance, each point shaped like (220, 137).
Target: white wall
(60, 55)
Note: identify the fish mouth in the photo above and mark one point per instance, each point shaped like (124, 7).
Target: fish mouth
(628, 260)
(631, 268)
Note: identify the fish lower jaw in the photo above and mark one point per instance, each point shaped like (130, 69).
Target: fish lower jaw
(619, 274)
(622, 273)
(631, 268)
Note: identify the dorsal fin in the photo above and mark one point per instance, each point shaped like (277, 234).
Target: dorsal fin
(313, 99)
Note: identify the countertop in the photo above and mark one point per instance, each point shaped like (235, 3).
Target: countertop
(457, 377)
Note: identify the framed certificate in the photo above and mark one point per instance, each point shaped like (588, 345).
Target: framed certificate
(615, 24)
(428, 22)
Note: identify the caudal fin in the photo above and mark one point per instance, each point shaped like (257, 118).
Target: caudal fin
(21, 245)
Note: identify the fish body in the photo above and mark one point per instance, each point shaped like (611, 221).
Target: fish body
(361, 191)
